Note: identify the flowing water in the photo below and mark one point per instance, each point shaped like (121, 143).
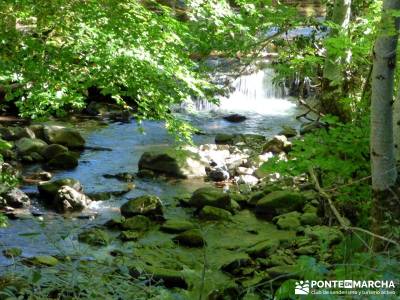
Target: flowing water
(255, 96)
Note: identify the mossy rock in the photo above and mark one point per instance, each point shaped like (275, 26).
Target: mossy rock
(115, 223)
(310, 218)
(26, 146)
(43, 260)
(215, 214)
(48, 190)
(280, 202)
(173, 163)
(12, 252)
(53, 150)
(177, 226)
(147, 205)
(324, 234)
(63, 161)
(68, 137)
(190, 238)
(168, 277)
(94, 237)
(129, 235)
(264, 248)
(289, 221)
(137, 223)
(210, 196)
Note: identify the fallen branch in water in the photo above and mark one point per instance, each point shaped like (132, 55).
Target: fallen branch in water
(340, 219)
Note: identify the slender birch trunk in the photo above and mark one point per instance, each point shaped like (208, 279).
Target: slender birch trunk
(396, 124)
(383, 162)
(333, 76)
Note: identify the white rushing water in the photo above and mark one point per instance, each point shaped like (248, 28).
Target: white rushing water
(252, 94)
(257, 93)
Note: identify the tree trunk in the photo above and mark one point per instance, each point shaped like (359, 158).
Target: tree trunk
(396, 124)
(332, 83)
(385, 211)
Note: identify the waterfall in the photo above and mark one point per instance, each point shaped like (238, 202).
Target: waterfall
(252, 93)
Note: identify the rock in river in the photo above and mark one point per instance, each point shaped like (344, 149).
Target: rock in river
(174, 163)
(69, 199)
(210, 196)
(235, 118)
(65, 136)
(48, 190)
(147, 205)
(16, 198)
(27, 146)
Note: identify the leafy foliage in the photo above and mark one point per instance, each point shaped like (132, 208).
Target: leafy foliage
(340, 154)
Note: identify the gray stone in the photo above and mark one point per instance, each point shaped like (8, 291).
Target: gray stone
(16, 198)
(174, 163)
(69, 199)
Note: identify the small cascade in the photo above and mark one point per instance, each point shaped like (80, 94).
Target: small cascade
(252, 93)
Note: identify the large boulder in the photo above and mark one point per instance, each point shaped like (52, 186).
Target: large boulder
(51, 151)
(48, 190)
(174, 163)
(16, 198)
(210, 196)
(65, 136)
(27, 146)
(147, 205)
(68, 199)
(280, 202)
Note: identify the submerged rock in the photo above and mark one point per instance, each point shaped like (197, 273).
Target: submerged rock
(215, 214)
(190, 238)
(65, 136)
(42, 260)
(69, 199)
(147, 205)
(174, 163)
(95, 237)
(210, 196)
(168, 277)
(12, 252)
(137, 223)
(177, 226)
(130, 235)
